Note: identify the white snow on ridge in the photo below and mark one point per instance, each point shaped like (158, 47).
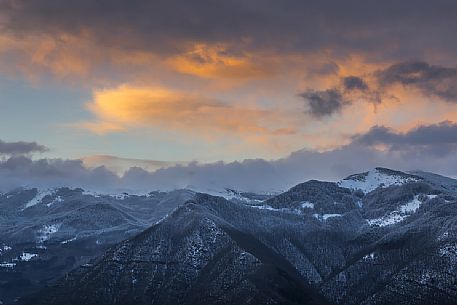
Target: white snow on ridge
(57, 199)
(39, 197)
(373, 180)
(228, 194)
(397, 216)
(7, 265)
(90, 193)
(68, 241)
(231, 194)
(267, 207)
(324, 217)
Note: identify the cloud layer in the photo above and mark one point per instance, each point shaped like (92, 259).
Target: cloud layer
(429, 148)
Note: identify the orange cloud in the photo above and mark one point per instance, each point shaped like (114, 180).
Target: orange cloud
(127, 107)
(216, 61)
(80, 55)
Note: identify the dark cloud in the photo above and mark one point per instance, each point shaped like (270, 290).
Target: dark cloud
(436, 134)
(20, 148)
(394, 29)
(324, 103)
(431, 80)
(354, 83)
(439, 139)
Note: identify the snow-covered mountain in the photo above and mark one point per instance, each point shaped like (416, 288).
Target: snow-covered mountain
(381, 237)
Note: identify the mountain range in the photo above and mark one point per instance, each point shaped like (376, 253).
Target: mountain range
(379, 237)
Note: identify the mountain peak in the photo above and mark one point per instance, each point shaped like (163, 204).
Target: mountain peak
(375, 178)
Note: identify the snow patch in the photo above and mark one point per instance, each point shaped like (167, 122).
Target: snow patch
(47, 231)
(397, 216)
(307, 205)
(369, 257)
(324, 217)
(411, 206)
(25, 257)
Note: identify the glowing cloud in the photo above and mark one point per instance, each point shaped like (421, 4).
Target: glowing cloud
(128, 107)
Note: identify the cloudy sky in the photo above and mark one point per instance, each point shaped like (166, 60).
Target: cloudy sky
(291, 89)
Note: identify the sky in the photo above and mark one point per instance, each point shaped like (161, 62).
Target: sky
(255, 94)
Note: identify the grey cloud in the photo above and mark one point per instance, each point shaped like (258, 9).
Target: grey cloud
(439, 139)
(20, 171)
(20, 148)
(436, 134)
(324, 103)
(432, 80)
(354, 83)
